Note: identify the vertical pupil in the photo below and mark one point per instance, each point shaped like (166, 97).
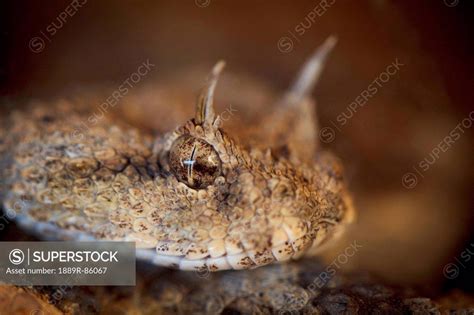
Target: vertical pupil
(190, 165)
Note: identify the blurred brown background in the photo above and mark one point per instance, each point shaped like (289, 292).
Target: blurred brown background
(408, 235)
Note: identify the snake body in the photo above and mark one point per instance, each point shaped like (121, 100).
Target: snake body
(193, 198)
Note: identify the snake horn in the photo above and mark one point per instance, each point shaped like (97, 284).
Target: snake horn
(294, 122)
(311, 70)
(205, 112)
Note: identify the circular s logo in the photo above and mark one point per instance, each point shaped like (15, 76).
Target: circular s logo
(451, 271)
(285, 44)
(16, 256)
(409, 180)
(37, 44)
(327, 134)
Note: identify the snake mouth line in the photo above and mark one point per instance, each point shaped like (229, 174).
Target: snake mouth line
(250, 259)
(244, 260)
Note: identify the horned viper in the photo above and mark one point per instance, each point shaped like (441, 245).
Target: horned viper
(193, 198)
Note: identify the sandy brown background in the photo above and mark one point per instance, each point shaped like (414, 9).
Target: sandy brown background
(408, 235)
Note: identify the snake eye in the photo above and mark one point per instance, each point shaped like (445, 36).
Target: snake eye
(194, 162)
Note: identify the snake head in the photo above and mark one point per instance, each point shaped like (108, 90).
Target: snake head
(223, 205)
(195, 198)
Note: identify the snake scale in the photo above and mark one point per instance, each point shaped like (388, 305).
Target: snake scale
(192, 198)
